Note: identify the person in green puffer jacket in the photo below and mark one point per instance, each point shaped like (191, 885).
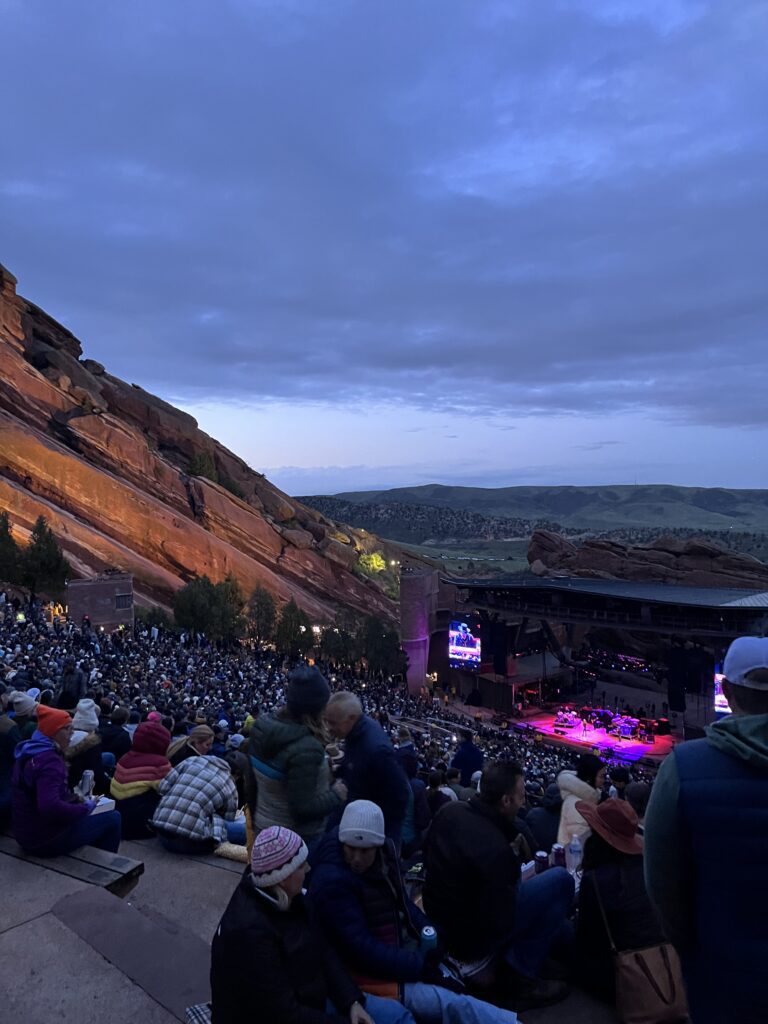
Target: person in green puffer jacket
(287, 752)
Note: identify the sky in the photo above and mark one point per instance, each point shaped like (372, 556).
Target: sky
(382, 244)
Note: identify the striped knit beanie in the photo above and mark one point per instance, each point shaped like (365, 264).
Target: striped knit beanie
(277, 853)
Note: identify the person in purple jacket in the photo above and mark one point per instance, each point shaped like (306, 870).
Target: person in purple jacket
(47, 818)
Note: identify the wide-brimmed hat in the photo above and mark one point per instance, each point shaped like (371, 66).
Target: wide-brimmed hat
(615, 821)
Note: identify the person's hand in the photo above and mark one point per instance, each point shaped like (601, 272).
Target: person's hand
(357, 1015)
(340, 789)
(90, 805)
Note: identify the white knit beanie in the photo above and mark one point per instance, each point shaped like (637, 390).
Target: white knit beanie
(362, 825)
(86, 716)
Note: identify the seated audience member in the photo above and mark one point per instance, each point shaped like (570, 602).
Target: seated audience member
(287, 750)
(47, 818)
(138, 774)
(619, 779)
(24, 713)
(612, 867)
(244, 780)
(357, 889)
(267, 952)
(115, 739)
(197, 744)
(436, 798)
(586, 784)
(494, 926)
(194, 798)
(453, 776)
(84, 750)
(544, 820)
(9, 740)
(638, 794)
(134, 721)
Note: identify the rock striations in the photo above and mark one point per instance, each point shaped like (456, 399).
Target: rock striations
(109, 466)
(694, 563)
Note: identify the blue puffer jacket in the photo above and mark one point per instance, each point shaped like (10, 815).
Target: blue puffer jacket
(372, 771)
(362, 915)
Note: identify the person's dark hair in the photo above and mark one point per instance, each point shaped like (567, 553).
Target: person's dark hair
(499, 778)
(598, 852)
(134, 717)
(638, 794)
(587, 768)
(105, 706)
(453, 774)
(465, 734)
(435, 779)
(119, 716)
(168, 723)
(752, 702)
(243, 776)
(619, 775)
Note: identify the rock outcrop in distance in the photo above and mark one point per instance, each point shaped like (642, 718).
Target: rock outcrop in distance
(108, 465)
(689, 562)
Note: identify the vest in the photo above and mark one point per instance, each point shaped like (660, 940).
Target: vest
(723, 805)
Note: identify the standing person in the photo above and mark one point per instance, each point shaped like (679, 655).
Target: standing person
(73, 686)
(500, 931)
(468, 758)
(585, 783)
(268, 953)
(613, 868)
(706, 848)
(370, 769)
(359, 894)
(47, 819)
(287, 750)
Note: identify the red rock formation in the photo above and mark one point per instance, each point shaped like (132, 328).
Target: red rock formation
(696, 563)
(107, 464)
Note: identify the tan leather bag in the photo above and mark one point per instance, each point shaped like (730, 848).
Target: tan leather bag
(649, 982)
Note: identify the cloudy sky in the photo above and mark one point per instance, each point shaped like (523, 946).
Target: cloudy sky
(370, 244)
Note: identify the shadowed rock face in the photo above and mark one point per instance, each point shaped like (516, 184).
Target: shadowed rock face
(692, 562)
(107, 464)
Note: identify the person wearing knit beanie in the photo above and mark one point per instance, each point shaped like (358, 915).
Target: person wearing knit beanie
(51, 721)
(362, 825)
(308, 692)
(277, 854)
(23, 704)
(86, 716)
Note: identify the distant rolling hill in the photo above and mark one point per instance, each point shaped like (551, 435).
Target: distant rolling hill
(598, 509)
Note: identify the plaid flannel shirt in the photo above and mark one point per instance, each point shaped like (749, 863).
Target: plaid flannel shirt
(193, 795)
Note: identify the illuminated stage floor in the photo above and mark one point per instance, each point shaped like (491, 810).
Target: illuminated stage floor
(627, 750)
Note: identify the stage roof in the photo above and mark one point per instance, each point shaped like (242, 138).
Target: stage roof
(658, 593)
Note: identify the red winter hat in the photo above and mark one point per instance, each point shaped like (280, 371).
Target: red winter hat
(50, 720)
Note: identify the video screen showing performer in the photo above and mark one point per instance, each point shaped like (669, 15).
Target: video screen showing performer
(463, 646)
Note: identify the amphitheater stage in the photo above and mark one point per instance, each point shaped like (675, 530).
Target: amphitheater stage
(610, 746)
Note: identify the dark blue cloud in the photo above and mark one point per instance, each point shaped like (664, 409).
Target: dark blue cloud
(543, 208)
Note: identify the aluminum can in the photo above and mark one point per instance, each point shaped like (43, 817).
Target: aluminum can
(558, 855)
(428, 938)
(542, 861)
(86, 783)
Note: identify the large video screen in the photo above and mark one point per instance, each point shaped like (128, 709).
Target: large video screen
(463, 646)
(722, 707)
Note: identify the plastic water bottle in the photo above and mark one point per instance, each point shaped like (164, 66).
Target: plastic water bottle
(573, 855)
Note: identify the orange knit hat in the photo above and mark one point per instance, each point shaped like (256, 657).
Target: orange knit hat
(50, 720)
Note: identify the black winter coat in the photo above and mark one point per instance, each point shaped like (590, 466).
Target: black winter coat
(472, 874)
(275, 965)
(114, 740)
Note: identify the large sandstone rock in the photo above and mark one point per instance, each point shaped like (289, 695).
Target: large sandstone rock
(108, 464)
(696, 562)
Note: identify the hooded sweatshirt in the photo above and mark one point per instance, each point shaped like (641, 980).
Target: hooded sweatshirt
(706, 857)
(145, 765)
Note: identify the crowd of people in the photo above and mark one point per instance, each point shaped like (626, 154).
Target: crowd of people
(402, 861)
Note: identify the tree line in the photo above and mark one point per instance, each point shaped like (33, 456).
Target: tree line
(40, 567)
(224, 615)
